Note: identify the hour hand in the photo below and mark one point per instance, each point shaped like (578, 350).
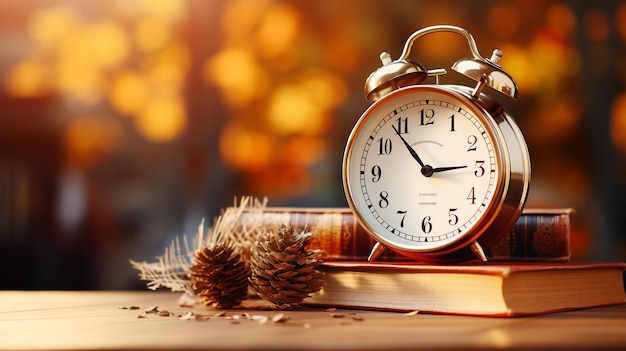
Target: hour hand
(411, 150)
(443, 169)
(428, 171)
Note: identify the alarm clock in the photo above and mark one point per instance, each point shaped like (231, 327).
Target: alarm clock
(436, 172)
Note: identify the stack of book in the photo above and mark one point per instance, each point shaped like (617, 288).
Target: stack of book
(528, 271)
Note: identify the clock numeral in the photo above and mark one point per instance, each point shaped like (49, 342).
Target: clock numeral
(454, 219)
(427, 227)
(403, 125)
(403, 214)
(480, 169)
(376, 173)
(472, 140)
(471, 197)
(451, 118)
(384, 199)
(384, 146)
(426, 117)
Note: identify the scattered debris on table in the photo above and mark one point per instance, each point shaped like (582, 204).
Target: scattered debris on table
(237, 317)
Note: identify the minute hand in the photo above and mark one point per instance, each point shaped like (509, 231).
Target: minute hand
(411, 150)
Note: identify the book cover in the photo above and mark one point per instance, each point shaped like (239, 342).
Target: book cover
(538, 235)
(482, 289)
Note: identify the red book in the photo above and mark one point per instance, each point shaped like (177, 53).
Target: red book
(538, 235)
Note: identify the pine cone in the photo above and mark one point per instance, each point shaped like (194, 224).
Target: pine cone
(220, 276)
(282, 270)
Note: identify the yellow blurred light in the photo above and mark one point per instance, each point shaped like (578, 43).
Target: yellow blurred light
(167, 78)
(82, 57)
(618, 122)
(28, 79)
(104, 44)
(83, 83)
(238, 74)
(549, 61)
(293, 109)
(81, 53)
(168, 69)
(176, 52)
(325, 88)
(49, 25)
(162, 119)
(278, 29)
(517, 62)
(245, 149)
(151, 34)
(240, 19)
(107, 43)
(303, 107)
(128, 92)
(171, 10)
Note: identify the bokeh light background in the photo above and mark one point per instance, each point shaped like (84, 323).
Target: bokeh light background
(124, 123)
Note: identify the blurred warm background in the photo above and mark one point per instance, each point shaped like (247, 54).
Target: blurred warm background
(123, 123)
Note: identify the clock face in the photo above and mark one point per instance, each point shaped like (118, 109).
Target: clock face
(422, 169)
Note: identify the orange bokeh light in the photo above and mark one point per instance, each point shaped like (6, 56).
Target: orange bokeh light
(245, 149)
(618, 122)
(239, 75)
(162, 119)
(128, 93)
(28, 79)
(151, 34)
(278, 29)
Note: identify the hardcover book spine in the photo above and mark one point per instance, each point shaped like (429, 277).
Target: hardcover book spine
(538, 235)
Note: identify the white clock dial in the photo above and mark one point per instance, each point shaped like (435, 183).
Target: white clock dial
(423, 169)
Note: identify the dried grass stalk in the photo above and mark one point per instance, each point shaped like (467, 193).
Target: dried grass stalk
(172, 269)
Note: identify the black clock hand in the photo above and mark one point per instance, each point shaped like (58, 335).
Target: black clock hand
(428, 171)
(411, 151)
(443, 169)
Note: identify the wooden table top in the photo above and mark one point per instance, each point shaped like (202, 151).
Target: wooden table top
(102, 320)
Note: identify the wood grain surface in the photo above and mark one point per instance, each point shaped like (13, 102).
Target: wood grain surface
(105, 320)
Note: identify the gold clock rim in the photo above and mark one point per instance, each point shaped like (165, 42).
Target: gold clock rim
(501, 204)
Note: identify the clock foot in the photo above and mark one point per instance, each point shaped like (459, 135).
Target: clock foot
(377, 250)
(478, 251)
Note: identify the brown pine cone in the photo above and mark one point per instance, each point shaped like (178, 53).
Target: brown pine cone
(220, 276)
(283, 271)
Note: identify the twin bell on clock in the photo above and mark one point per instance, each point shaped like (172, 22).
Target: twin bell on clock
(436, 172)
